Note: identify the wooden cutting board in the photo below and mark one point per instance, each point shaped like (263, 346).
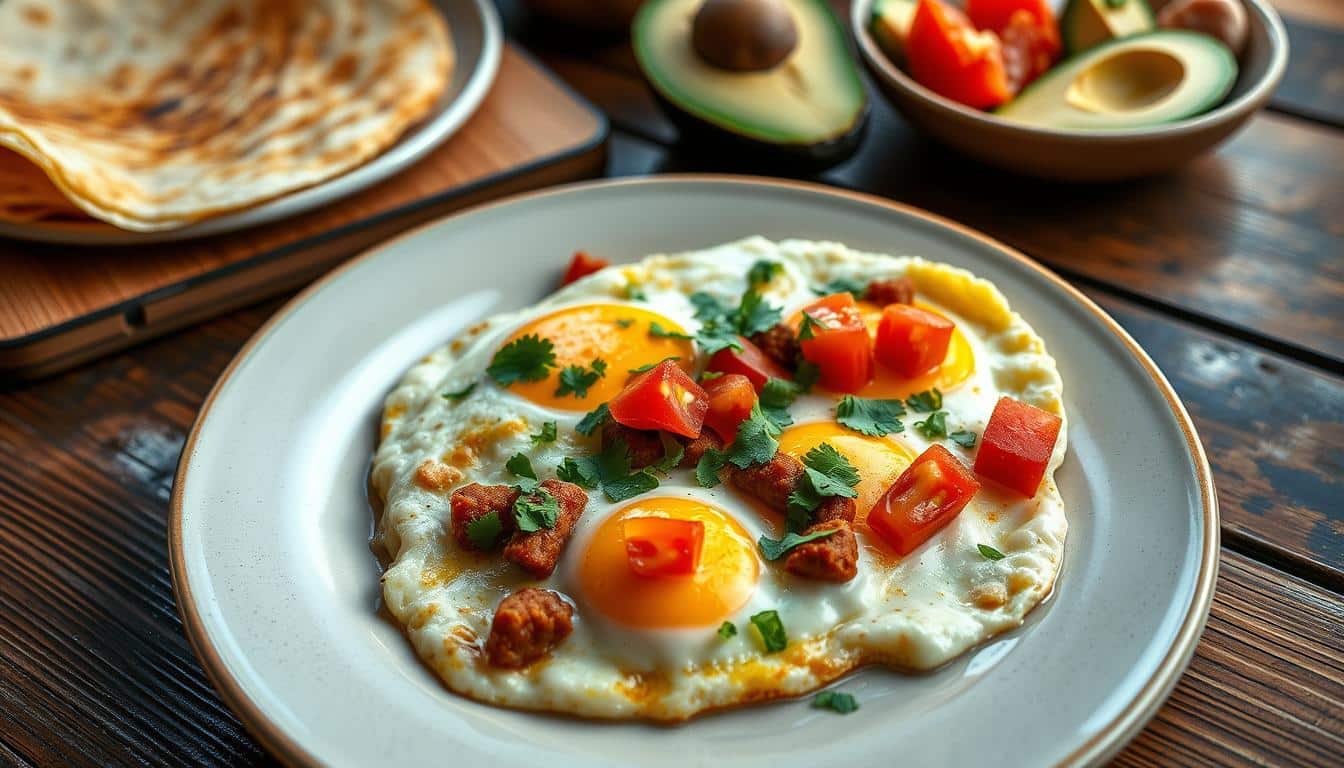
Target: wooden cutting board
(61, 305)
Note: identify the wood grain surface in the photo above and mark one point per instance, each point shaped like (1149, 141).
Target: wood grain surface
(1228, 273)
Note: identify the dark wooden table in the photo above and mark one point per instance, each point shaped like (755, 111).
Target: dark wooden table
(1230, 273)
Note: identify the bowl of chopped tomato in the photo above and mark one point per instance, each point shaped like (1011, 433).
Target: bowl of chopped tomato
(984, 77)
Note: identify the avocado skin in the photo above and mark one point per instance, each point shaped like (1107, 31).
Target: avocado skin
(1068, 22)
(715, 140)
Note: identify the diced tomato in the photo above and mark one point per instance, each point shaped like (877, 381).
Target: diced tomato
(663, 397)
(731, 397)
(949, 57)
(995, 15)
(912, 341)
(1016, 445)
(749, 361)
(839, 346)
(663, 546)
(927, 496)
(582, 265)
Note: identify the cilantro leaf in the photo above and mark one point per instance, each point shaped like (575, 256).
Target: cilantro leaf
(842, 703)
(710, 376)
(707, 470)
(521, 466)
(611, 468)
(581, 471)
(727, 629)
(546, 435)
(773, 549)
(635, 293)
(776, 397)
(526, 358)
(839, 475)
(755, 314)
(656, 329)
(593, 419)
(870, 416)
(963, 437)
(576, 379)
(843, 285)
(763, 271)
(989, 553)
(771, 630)
(650, 366)
(933, 427)
(755, 442)
(630, 486)
(707, 307)
(806, 375)
(624, 322)
(461, 393)
(673, 451)
(484, 531)
(714, 337)
(535, 511)
(808, 328)
(927, 401)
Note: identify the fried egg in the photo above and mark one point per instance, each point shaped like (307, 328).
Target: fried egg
(650, 648)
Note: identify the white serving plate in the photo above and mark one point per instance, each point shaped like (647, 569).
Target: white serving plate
(477, 40)
(279, 592)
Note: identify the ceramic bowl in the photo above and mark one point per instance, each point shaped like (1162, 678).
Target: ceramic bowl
(1077, 155)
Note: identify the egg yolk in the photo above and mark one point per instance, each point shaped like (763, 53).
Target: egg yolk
(724, 581)
(616, 334)
(878, 460)
(956, 367)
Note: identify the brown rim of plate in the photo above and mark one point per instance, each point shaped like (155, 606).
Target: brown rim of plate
(1106, 742)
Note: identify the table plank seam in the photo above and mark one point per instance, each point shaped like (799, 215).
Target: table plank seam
(1280, 559)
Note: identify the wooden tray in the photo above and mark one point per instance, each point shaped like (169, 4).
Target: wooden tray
(62, 305)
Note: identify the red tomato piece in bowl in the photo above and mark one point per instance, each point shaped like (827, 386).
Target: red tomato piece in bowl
(662, 546)
(912, 341)
(582, 265)
(926, 497)
(1016, 445)
(947, 55)
(731, 398)
(664, 397)
(748, 361)
(837, 342)
(1027, 31)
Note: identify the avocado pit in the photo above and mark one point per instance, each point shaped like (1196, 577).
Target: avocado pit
(744, 35)
(1127, 81)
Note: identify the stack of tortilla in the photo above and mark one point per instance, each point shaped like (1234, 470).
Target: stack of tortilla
(154, 114)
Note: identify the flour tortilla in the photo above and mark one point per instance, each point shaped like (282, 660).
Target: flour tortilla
(154, 115)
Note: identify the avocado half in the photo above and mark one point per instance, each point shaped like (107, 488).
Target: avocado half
(809, 110)
(1133, 82)
(1086, 23)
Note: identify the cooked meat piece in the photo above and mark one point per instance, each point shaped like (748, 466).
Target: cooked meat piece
(898, 290)
(696, 448)
(539, 551)
(528, 624)
(780, 344)
(771, 482)
(472, 502)
(834, 508)
(834, 558)
(645, 446)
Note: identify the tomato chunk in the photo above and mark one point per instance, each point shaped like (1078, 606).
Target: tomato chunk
(949, 57)
(749, 361)
(582, 265)
(927, 496)
(912, 341)
(995, 15)
(839, 343)
(1028, 33)
(1016, 445)
(663, 397)
(663, 546)
(731, 398)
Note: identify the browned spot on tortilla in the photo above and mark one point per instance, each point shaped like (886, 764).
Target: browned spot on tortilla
(38, 17)
(436, 476)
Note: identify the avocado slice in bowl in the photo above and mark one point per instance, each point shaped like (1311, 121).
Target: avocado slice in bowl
(773, 77)
(1087, 23)
(1133, 82)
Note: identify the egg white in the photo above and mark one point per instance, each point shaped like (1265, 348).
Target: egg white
(916, 615)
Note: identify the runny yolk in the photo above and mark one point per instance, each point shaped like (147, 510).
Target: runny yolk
(956, 367)
(617, 334)
(878, 460)
(724, 581)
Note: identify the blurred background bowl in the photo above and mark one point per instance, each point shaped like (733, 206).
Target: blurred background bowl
(1075, 155)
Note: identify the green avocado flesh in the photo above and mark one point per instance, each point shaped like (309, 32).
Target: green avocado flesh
(1132, 82)
(813, 96)
(1086, 23)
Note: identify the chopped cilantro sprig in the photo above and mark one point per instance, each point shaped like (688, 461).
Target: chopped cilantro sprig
(526, 358)
(870, 416)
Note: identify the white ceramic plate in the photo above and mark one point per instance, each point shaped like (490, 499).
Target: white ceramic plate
(279, 591)
(477, 41)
